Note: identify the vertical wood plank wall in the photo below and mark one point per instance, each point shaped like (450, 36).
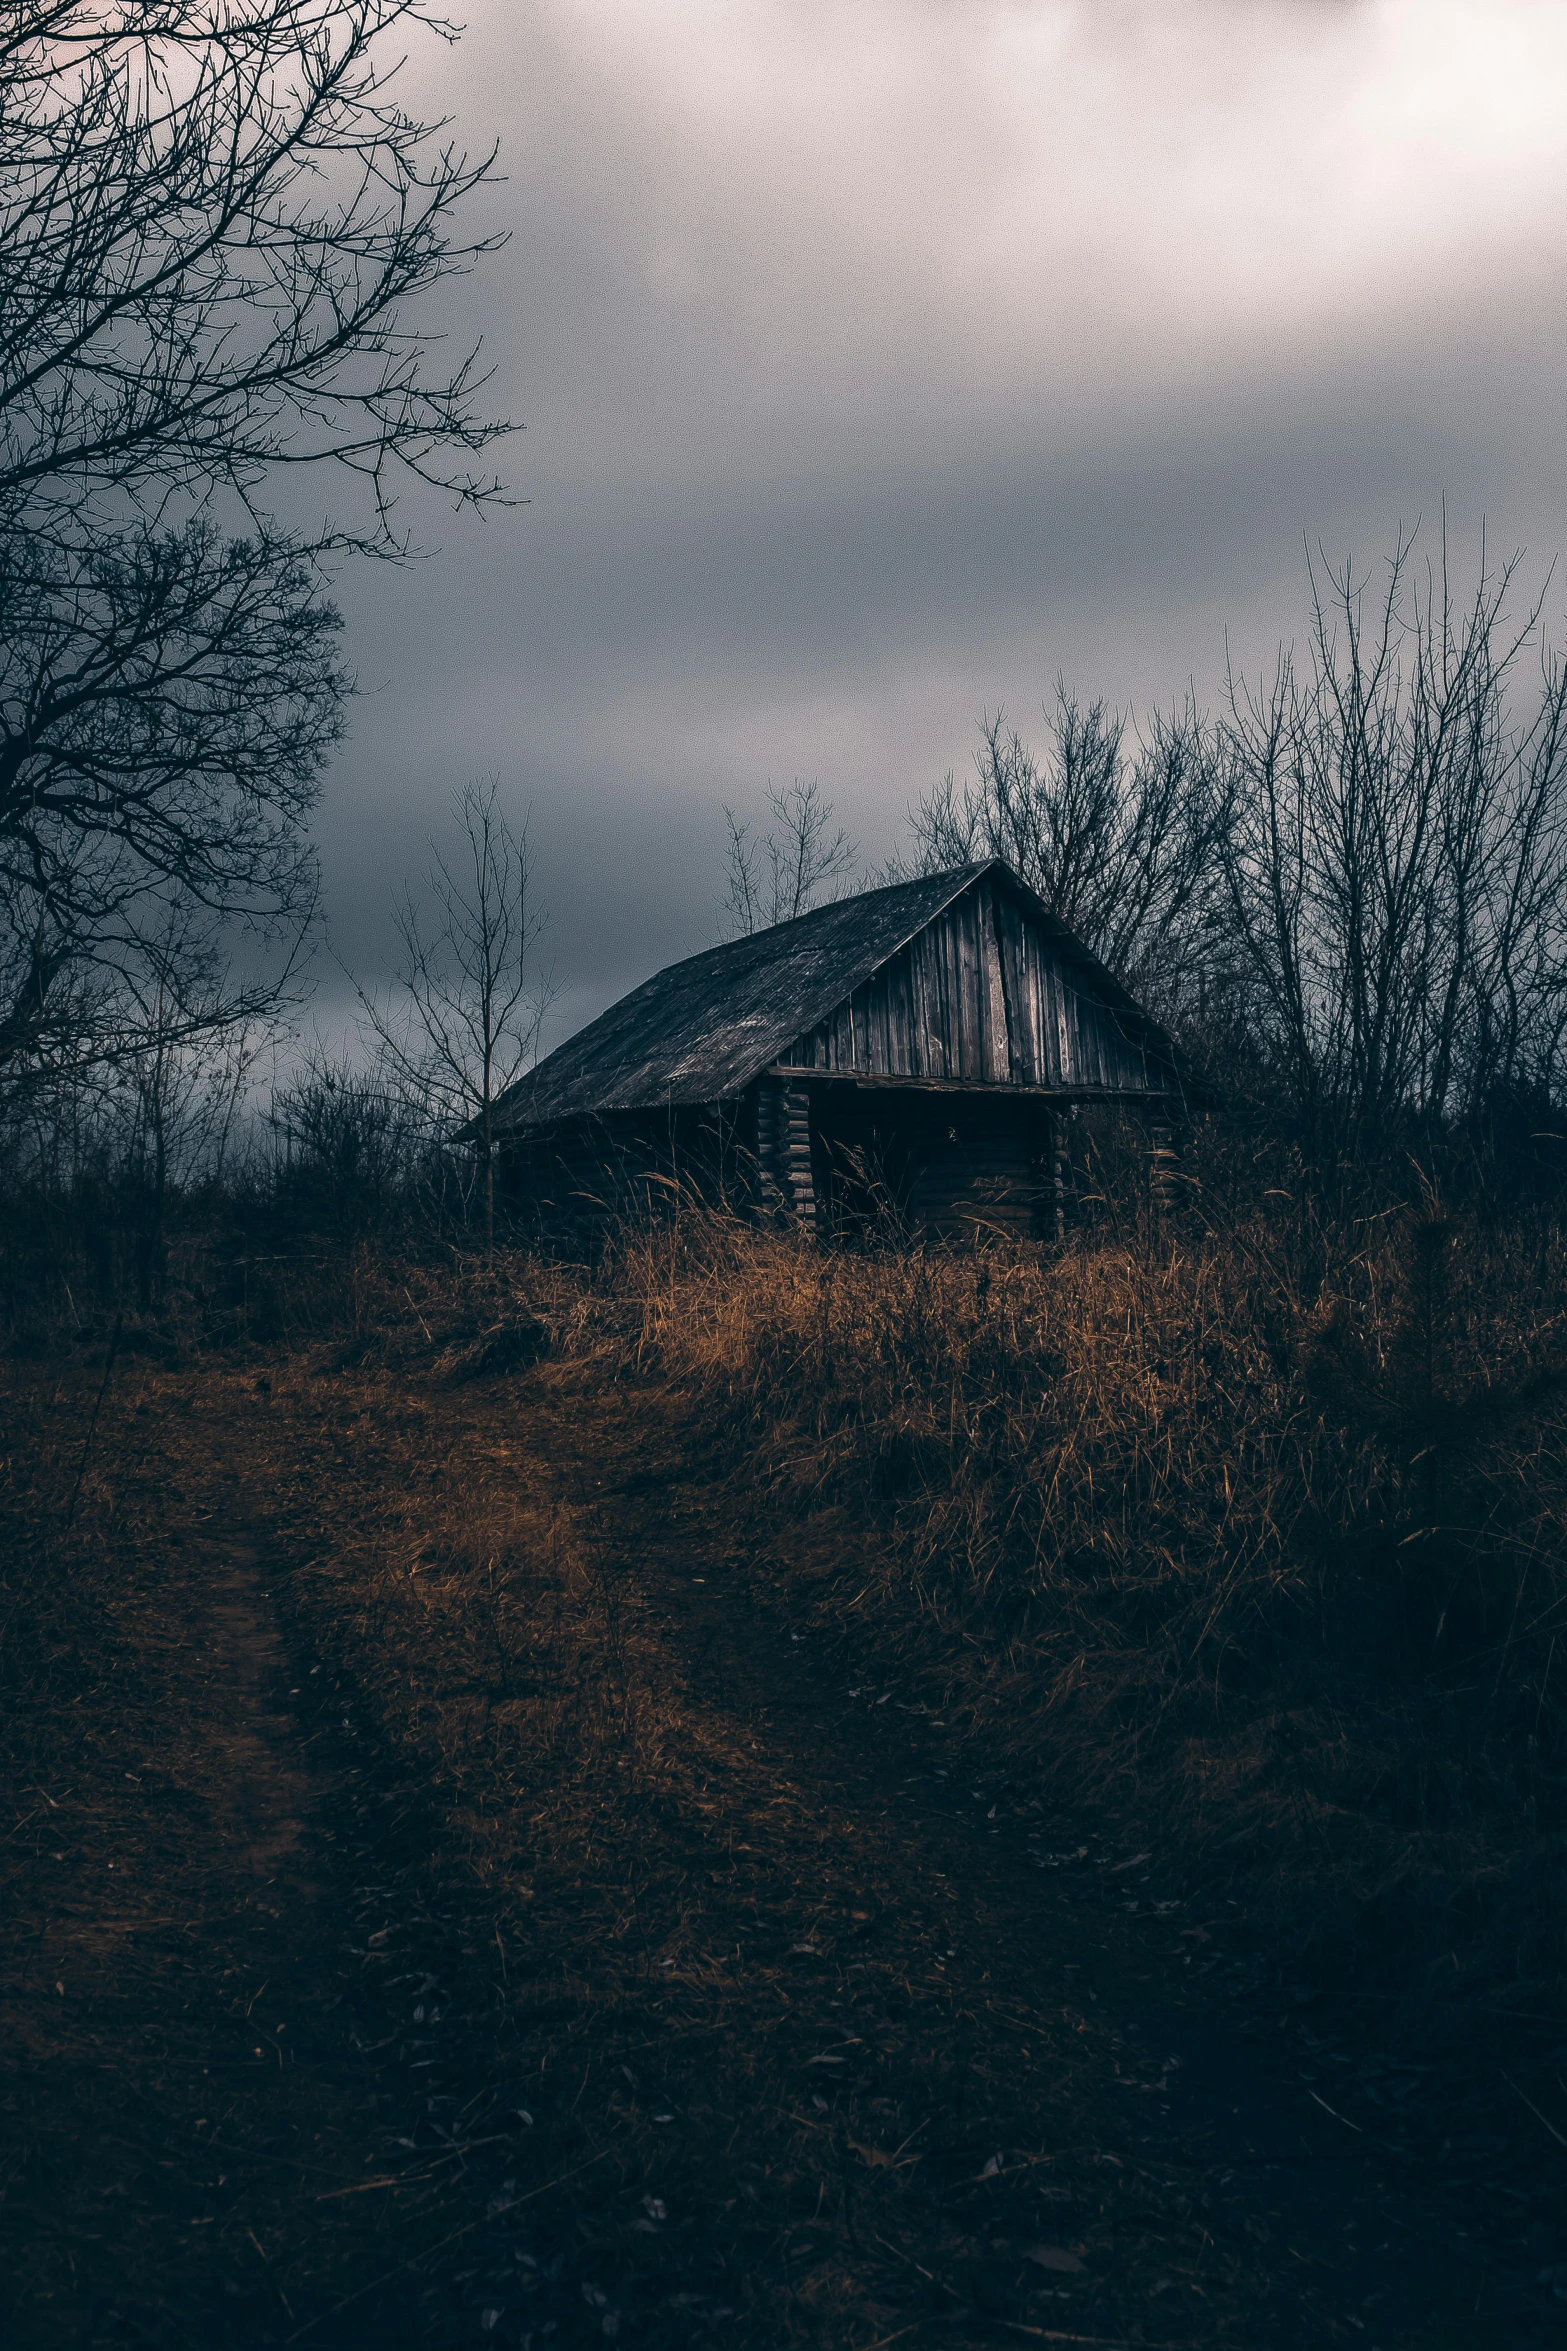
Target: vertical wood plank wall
(982, 994)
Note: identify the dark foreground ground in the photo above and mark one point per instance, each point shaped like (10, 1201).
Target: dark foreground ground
(447, 1900)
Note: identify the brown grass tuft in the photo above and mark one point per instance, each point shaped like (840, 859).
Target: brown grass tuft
(1249, 1527)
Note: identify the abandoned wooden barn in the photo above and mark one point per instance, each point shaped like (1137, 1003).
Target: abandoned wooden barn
(914, 1049)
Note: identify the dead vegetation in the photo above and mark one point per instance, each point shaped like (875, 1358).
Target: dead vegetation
(1241, 1526)
(1231, 1541)
(619, 1997)
(1247, 1526)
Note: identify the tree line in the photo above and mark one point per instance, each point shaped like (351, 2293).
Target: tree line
(1344, 891)
(1346, 888)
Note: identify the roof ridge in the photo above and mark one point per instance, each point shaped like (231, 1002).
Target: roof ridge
(958, 875)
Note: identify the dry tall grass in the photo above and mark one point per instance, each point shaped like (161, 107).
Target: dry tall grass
(1244, 1530)
(1246, 1527)
(1249, 1525)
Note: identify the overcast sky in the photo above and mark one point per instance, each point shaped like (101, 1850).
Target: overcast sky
(881, 359)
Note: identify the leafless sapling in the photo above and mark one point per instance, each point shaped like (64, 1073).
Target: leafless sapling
(463, 1023)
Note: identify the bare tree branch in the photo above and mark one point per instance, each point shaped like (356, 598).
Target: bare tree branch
(784, 873)
(1117, 834)
(216, 222)
(218, 231)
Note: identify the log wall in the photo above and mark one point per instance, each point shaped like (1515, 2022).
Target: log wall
(785, 1175)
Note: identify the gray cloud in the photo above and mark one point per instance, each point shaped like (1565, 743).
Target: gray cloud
(879, 363)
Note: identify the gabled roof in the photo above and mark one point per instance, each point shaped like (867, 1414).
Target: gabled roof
(703, 1029)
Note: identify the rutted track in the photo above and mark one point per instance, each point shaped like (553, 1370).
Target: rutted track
(485, 1917)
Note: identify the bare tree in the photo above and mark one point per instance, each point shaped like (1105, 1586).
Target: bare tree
(217, 225)
(784, 872)
(1116, 832)
(464, 1023)
(1396, 859)
(163, 980)
(191, 1045)
(212, 221)
(167, 706)
(346, 1139)
(131, 1090)
(1352, 881)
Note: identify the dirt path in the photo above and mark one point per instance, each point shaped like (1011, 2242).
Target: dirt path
(168, 1984)
(205, 2068)
(266, 1793)
(545, 1942)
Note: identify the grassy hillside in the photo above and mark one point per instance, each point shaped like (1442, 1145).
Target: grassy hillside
(491, 1737)
(1246, 1525)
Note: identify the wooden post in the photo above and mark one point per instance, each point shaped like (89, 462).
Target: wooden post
(1058, 1173)
(1164, 1168)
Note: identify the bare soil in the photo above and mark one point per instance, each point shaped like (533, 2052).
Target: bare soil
(451, 1895)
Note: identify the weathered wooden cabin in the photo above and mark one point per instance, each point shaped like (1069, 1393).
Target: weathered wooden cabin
(912, 1049)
